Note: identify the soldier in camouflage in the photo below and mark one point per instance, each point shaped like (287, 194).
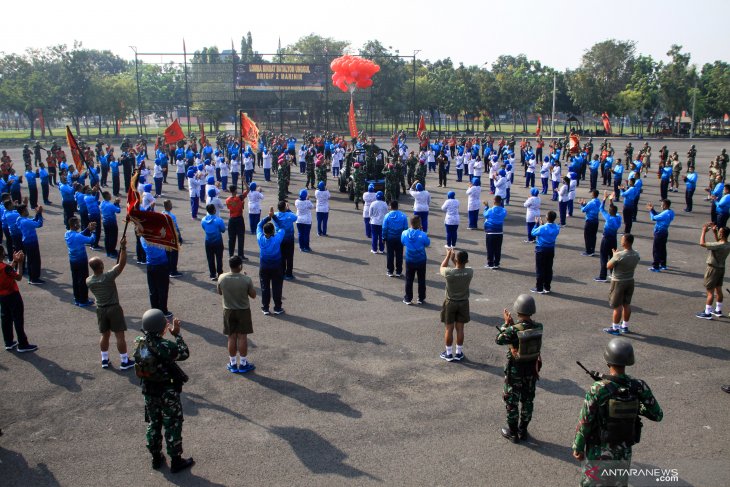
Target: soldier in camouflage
(401, 178)
(358, 180)
(309, 159)
(524, 339)
(391, 183)
(609, 422)
(282, 177)
(162, 380)
(322, 170)
(421, 173)
(411, 164)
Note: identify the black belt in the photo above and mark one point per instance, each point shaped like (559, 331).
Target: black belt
(106, 305)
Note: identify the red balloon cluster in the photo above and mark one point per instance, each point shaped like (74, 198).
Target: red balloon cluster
(353, 72)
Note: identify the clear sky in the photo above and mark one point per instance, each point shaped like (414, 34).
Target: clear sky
(554, 32)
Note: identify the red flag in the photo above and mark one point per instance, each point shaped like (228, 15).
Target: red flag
(574, 144)
(156, 228)
(539, 125)
(201, 125)
(421, 127)
(78, 157)
(174, 133)
(726, 118)
(249, 132)
(606, 123)
(351, 120)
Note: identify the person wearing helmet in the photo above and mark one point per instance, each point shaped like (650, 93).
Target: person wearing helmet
(162, 381)
(609, 423)
(523, 336)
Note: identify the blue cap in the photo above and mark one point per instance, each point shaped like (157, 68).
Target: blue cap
(200, 167)
(379, 196)
(475, 182)
(217, 152)
(252, 186)
(147, 188)
(210, 180)
(179, 157)
(191, 173)
(419, 187)
(502, 172)
(534, 191)
(211, 192)
(320, 186)
(141, 180)
(547, 159)
(303, 194)
(197, 154)
(371, 188)
(451, 195)
(508, 167)
(572, 175)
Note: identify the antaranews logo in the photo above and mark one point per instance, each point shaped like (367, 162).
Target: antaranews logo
(611, 472)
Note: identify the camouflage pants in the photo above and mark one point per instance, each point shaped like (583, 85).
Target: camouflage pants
(600, 457)
(519, 389)
(310, 179)
(282, 191)
(165, 410)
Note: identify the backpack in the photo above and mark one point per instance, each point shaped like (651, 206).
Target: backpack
(530, 342)
(621, 414)
(147, 366)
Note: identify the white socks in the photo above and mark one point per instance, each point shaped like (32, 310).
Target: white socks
(625, 324)
(718, 307)
(708, 309)
(233, 360)
(448, 350)
(105, 355)
(243, 361)
(123, 357)
(459, 349)
(615, 326)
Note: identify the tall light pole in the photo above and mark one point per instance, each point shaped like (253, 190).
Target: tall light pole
(139, 93)
(413, 101)
(694, 102)
(552, 117)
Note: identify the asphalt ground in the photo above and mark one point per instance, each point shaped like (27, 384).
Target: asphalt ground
(349, 388)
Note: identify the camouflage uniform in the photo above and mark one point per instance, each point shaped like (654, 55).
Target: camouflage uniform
(421, 174)
(592, 421)
(520, 378)
(162, 396)
(309, 158)
(724, 158)
(358, 185)
(282, 176)
(401, 178)
(391, 184)
(322, 173)
(411, 166)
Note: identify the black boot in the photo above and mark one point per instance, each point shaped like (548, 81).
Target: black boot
(522, 431)
(178, 464)
(157, 460)
(510, 432)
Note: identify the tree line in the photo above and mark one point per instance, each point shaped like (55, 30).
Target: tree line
(96, 88)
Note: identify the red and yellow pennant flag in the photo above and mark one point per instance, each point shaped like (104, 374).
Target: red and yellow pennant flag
(156, 228)
(351, 120)
(249, 132)
(78, 157)
(539, 125)
(174, 133)
(606, 123)
(574, 144)
(421, 127)
(201, 125)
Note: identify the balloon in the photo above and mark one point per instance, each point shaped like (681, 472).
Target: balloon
(352, 72)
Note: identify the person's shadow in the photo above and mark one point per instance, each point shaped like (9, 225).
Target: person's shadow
(16, 471)
(55, 374)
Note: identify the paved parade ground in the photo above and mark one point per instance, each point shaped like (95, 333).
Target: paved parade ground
(349, 387)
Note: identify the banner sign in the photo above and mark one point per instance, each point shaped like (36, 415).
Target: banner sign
(279, 76)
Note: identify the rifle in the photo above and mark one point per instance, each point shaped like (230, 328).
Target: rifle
(594, 375)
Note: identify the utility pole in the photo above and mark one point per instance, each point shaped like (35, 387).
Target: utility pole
(187, 88)
(139, 93)
(413, 101)
(552, 117)
(694, 101)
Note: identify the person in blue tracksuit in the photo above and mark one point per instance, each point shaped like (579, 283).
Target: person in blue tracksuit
(114, 167)
(666, 179)
(394, 224)
(609, 242)
(68, 201)
(76, 241)
(104, 163)
(590, 228)
(722, 207)
(45, 186)
(14, 186)
(595, 167)
(81, 204)
(415, 242)
(109, 211)
(158, 275)
(214, 228)
(285, 220)
(172, 255)
(493, 229)
(91, 201)
(638, 184)
(30, 178)
(10, 219)
(606, 167)
(270, 237)
(690, 183)
(547, 234)
(631, 199)
(661, 233)
(618, 176)
(715, 194)
(27, 227)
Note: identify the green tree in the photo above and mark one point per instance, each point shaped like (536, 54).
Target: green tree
(388, 90)
(676, 78)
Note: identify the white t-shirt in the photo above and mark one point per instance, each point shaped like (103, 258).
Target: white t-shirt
(478, 168)
(225, 170)
(545, 170)
(430, 157)
(459, 162)
(473, 193)
(302, 154)
(236, 166)
(267, 160)
(254, 202)
(367, 199)
(304, 211)
(563, 192)
(451, 207)
(573, 187)
(157, 174)
(533, 208)
(194, 187)
(180, 166)
(209, 171)
(556, 172)
(248, 163)
(500, 186)
(147, 201)
(207, 188)
(421, 200)
(378, 210)
(531, 166)
(323, 201)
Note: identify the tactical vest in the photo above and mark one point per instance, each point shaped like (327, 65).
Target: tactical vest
(620, 416)
(530, 342)
(147, 366)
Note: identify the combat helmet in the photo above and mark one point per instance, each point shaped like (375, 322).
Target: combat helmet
(153, 321)
(525, 305)
(619, 351)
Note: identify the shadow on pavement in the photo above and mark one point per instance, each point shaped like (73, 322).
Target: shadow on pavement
(321, 401)
(552, 450)
(712, 352)
(342, 258)
(564, 387)
(16, 471)
(333, 331)
(316, 453)
(186, 477)
(55, 374)
(354, 294)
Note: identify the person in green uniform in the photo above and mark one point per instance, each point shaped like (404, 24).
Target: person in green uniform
(524, 340)
(358, 177)
(162, 381)
(391, 183)
(421, 173)
(309, 160)
(715, 271)
(400, 178)
(322, 169)
(609, 423)
(411, 164)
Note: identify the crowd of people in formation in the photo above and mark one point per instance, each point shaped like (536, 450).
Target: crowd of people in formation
(219, 178)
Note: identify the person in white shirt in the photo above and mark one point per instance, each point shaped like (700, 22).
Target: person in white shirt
(336, 162)
(421, 202)
(235, 171)
(148, 201)
(157, 176)
(225, 171)
(322, 195)
(210, 184)
(255, 197)
(469, 163)
(473, 203)
(571, 191)
(478, 168)
(304, 220)
(267, 165)
(459, 167)
(545, 174)
(302, 159)
(555, 178)
(510, 178)
(180, 171)
(209, 169)
(530, 174)
(214, 200)
(194, 183)
(494, 169)
(431, 160)
(501, 184)
(377, 211)
(248, 162)
(563, 196)
(532, 213)
(367, 198)
(451, 219)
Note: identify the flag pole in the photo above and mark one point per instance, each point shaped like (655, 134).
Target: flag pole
(552, 117)
(126, 220)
